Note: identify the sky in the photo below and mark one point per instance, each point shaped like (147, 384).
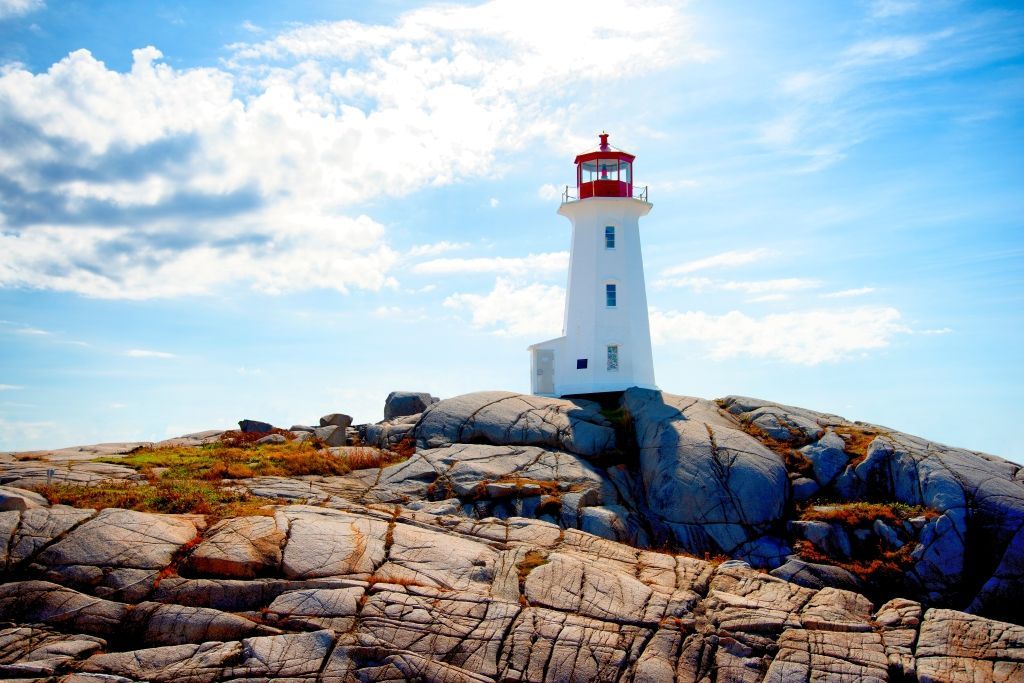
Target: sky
(217, 211)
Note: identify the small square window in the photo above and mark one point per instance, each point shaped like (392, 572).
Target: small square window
(613, 357)
(581, 364)
(609, 237)
(610, 295)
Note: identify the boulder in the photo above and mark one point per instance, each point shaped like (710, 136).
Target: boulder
(242, 547)
(336, 419)
(811, 575)
(122, 538)
(828, 457)
(272, 439)
(12, 498)
(332, 435)
(402, 403)
(716, 487)
(505, 418)
(250, 426)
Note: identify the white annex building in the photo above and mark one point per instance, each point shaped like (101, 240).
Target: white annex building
(606, 336)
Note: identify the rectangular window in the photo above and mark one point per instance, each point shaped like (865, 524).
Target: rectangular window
(613, 357)
(581, 364)
(609, 237)
(609, 296)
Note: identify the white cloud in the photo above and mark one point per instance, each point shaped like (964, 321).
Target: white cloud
(532, 265)
(936, 331)
(387, 312)
(764, 290)
(726, 259)
(847, 293)
(20, 432)
(515, 309)
(147, 353)
(179, 181)
(248, 371)
(803, 337)
(436, 248)
(10, 387)
(881, 9)
(494, 202)
(32, 332)
(16, 8)
(251, 27)
(549, 192)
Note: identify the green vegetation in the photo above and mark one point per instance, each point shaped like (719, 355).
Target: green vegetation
(223, 460)
(174, 496)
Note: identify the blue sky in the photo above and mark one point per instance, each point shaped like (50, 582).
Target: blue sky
(280, 210)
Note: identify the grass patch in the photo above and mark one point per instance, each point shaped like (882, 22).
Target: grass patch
(222, 460)
(188, 479)
(171, 496)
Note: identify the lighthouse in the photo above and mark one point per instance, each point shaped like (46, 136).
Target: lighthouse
(606, 336)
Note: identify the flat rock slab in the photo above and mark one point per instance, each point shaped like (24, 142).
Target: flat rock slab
(324, 542)
(33, 474)
(100, 450)
(122, 538)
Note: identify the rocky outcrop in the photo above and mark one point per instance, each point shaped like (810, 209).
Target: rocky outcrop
(717, 489)
(516, 542)
(971, 554)
(504, 418)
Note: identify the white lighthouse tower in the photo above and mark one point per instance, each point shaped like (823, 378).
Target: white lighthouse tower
(606, 336)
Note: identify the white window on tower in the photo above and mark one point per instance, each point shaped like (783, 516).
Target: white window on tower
(613, 357)
(609, 237)
(609, 296)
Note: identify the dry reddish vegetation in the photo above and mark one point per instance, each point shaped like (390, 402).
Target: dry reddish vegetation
(787, 450)
(857, 440)
(860, 514)
(887, 568)
(872, 562)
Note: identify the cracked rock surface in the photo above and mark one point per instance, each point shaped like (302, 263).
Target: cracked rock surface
(385, 593)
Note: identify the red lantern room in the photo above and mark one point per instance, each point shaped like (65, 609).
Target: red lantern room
(604, 172)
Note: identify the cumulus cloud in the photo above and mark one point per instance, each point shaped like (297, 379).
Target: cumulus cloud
(725, 259)
(16, 8)
(533, 264)
(148, 353)
(802, 337)
(163, 182)
(514, 309)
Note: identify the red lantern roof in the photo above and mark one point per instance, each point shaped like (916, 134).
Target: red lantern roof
(604, 172)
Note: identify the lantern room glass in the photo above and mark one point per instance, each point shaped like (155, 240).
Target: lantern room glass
(605, 169)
